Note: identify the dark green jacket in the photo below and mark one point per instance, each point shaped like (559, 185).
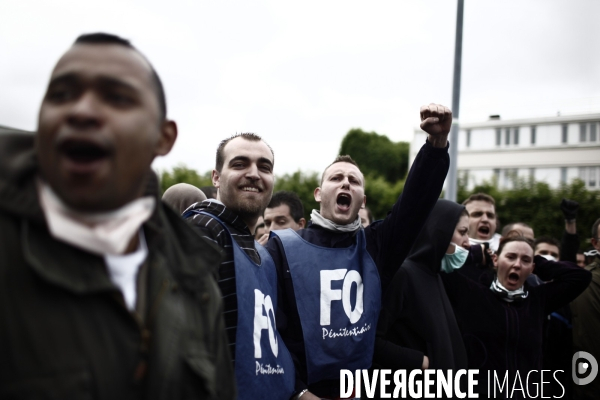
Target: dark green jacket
(65, 332)
(585, 311)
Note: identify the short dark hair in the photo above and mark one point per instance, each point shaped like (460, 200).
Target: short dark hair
(291, 200)
(252, 137)
(107, 38)
(549, 240)
(513, 226)
(479, 197)
(514, 236)
(595, 229)
(209, 191)
(341, 158)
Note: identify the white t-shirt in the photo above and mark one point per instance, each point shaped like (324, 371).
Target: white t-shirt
(123, 270)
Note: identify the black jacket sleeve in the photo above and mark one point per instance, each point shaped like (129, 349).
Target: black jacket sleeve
(569, 246)
(565, 281)
(390, 241)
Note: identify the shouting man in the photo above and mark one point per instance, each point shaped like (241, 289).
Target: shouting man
(106, 293)
(330, 273)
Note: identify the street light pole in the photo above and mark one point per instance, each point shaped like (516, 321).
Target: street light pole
(451, 187)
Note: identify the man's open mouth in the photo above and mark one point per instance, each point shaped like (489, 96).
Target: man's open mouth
(83, 151)
(343, 201)
(484, 230)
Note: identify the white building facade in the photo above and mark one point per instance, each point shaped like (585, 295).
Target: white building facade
(554, 150)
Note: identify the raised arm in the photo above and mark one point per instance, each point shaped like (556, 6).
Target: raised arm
(565, 281)
(391, 240)
(570, 241)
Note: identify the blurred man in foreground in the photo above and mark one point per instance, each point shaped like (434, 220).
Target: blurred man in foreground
(106, 293)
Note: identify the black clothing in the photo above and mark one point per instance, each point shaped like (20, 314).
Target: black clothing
(501, 336)
(212, 230)
(388, 243)
(65, 331)
(569, 246)
(586, 327)
(416, 316)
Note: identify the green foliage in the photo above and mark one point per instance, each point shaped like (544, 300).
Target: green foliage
(183, 174)
(381, 195)
(303, 185)
(376, 154)
(536, 204)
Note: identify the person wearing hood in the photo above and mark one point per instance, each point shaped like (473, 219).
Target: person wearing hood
(501, 324)
(417, 327)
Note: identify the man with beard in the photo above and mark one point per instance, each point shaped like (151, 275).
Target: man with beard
(243, 176)
(105, 292)
(329, 273)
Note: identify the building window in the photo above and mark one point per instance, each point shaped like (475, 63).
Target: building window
(592, 179)
(516, 136)
(532, 174)
(565, 133)
(507, 137)
(583, 174)
(498, 137)
(468, 138)
(563, 175)
(497, 175)
(582, 133)
(533, 134)
(593, 127)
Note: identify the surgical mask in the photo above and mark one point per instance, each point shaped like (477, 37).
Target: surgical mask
(453, 261)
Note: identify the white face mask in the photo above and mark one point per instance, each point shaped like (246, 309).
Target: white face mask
(453, 261)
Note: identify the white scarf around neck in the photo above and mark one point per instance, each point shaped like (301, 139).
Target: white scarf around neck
(508, 295)
(494, 242)
(318, 219)
(99, 233)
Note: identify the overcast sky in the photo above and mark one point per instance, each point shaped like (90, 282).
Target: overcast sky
(301, 74)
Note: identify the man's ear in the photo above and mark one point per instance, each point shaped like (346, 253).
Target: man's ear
(216, 178)
(168, 135)
(595, 244)
(495, 260)
(364, 203)
(302, 223)
(317, 194)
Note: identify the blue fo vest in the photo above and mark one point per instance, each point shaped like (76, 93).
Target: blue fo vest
(263, 366)
(338, 295)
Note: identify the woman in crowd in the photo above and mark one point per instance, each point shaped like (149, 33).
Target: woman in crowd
(502, 324)
(417, 327)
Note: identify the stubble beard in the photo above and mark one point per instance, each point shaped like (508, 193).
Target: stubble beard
(248, 209)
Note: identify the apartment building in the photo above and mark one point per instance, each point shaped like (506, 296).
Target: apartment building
(553, 149)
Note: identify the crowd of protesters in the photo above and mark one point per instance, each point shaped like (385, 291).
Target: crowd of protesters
(225, 292)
